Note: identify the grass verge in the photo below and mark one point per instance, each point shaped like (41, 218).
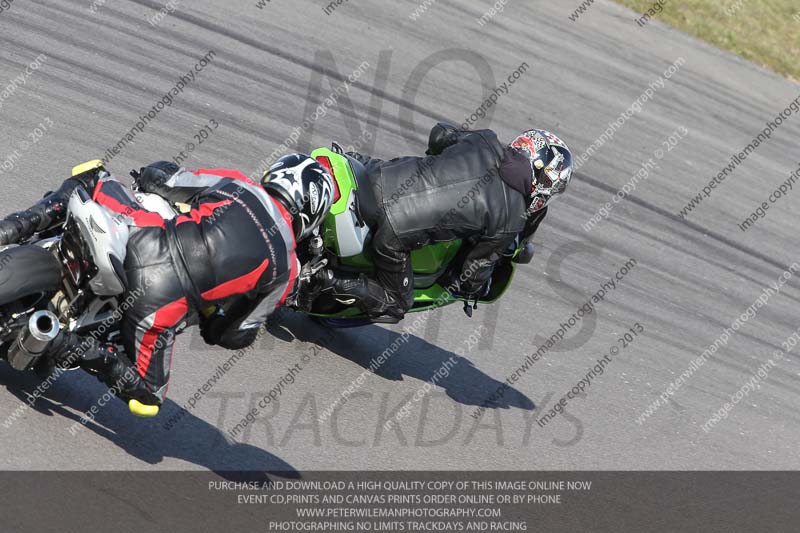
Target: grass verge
(766, 32)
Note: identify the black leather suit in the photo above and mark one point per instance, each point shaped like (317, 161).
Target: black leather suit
(470, 186)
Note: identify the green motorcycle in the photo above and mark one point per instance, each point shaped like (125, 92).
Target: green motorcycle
(342, 245)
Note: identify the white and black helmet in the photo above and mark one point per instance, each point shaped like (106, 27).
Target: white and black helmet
(304, 187)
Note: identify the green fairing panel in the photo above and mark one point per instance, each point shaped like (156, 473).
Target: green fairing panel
(428, 260)
(346, 183)
(437, 296)
(361, 261)
(434, 257)
(345, 179)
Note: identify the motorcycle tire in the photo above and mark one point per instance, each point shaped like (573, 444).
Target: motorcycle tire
(27, 272)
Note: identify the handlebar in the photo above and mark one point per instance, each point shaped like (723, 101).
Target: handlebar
(23, 225)
(18, 227)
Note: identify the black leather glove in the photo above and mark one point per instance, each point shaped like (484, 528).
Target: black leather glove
(150, 179)
(358, 157)
(307, 292)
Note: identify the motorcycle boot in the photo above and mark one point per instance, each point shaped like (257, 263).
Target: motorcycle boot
(373, 299)
(103, 361)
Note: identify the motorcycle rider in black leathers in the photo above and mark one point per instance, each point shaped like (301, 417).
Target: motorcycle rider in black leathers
(470, 186)
(232, 249)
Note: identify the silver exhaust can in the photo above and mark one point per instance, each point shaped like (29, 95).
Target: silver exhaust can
(33, 340)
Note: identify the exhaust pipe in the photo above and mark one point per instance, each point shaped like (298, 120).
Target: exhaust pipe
(34, 340)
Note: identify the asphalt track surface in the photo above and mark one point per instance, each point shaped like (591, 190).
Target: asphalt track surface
(692, 277)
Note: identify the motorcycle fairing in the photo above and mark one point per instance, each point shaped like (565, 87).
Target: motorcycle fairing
(106, 237)
(344, 231)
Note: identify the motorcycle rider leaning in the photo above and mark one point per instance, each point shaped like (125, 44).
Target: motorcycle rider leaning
(470, 186)
(234, 249)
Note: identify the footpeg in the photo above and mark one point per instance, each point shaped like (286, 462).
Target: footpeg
(468, 307)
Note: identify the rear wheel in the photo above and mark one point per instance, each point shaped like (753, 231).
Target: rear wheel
(29, 276)
(27, 272)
